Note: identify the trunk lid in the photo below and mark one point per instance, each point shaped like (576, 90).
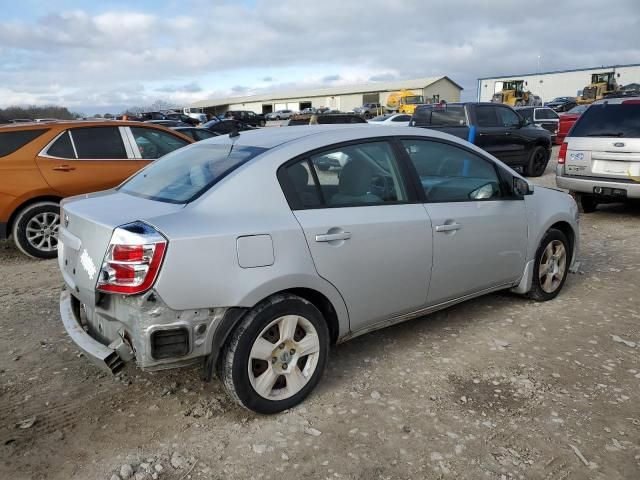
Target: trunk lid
(87, 223)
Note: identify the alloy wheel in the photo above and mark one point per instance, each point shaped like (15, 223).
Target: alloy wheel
(284, 357)
(42, 231)
(553, 264)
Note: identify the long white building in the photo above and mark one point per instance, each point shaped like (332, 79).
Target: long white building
(344, 98)
(562, 83)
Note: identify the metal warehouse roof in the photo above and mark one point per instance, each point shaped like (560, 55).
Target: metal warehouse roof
(324, 92)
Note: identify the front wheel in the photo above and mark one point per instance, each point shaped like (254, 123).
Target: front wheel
(537, 163)
(276, 355)
(262, 123)
(35, 230)
(551, 266)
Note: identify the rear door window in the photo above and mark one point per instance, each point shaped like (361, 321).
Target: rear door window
(546, 114)
(12, 141)
(440, 116)
(507, 117)
(99, 143)
(486, 116)
(609, 120)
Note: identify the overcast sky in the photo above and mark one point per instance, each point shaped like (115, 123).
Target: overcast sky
(107, 55)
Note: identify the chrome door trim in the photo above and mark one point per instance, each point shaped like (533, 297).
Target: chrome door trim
(132, 143)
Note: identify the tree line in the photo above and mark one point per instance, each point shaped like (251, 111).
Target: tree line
(63, 113)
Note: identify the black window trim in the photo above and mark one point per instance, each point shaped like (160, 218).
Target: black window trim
(291, 195)
(130, 155)
(506, 191)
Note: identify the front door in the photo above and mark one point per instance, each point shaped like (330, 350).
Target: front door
(479, 231)
(87, 159)
(364, 235)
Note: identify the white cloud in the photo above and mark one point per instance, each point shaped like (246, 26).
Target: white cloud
(81, 58)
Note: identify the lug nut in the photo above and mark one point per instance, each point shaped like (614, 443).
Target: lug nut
(274, 360)
(292, 351)
(284, 366)
(281, 346)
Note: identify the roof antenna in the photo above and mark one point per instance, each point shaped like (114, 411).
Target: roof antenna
(234, 132)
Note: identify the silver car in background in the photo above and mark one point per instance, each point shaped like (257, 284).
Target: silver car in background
(240, 253)
(599, 161)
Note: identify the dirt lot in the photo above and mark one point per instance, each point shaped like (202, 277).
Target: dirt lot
(496, 388)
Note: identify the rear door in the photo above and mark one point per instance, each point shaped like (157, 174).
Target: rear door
(87, 159)
(479, 228)
(605, 142)
(365, 231)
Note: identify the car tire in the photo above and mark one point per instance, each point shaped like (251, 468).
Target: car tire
(262, 123)
(270, 381)
(518, 103)
(587, 203)
(37, 244)
(278, 118)
(537, 163)
(552, 262)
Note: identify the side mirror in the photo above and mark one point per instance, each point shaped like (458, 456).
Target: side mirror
(521, 187)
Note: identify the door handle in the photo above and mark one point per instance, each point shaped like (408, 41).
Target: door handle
(507, 133)
(330, 237)
(448, 227)
(64, 168)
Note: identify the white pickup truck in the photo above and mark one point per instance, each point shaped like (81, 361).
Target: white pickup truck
(195, 112)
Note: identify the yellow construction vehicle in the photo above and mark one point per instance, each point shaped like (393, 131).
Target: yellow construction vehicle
(514, 94)
(404, 101)
(601, 84)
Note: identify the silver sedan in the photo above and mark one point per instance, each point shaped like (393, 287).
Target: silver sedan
(241, 252)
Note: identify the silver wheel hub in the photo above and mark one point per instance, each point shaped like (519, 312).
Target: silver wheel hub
(283, 357)
(553, 264)
(42, 231)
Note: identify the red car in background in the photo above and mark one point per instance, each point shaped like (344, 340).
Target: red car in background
(567, 120)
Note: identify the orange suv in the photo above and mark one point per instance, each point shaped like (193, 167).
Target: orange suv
(41, 163)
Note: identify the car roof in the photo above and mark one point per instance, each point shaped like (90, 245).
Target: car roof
(616, 100)
(271, 137)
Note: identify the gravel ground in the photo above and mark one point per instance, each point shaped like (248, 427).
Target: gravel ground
(496, 388)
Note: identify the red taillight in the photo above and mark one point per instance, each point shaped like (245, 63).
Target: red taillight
(631, 102)
(562, 155)
(133, 260)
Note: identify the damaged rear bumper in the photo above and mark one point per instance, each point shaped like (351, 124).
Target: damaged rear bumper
(105, 357)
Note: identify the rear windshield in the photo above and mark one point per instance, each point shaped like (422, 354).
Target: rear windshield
(185, 174)
(609, 120)
(12, 141)
(439, 116)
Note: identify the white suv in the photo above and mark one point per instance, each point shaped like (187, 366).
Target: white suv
(599, 160)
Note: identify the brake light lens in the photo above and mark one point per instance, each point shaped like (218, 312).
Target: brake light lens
(133, 260)
(562, 155)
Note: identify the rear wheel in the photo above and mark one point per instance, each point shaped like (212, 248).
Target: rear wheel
(519, 103)
(587, 203)
(276, 355)
(551, 266)
(35, 229)
(538, 160)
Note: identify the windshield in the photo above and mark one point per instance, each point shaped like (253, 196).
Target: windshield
(185, 174)
(609, 120)
(413, 99)
(512, 86)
